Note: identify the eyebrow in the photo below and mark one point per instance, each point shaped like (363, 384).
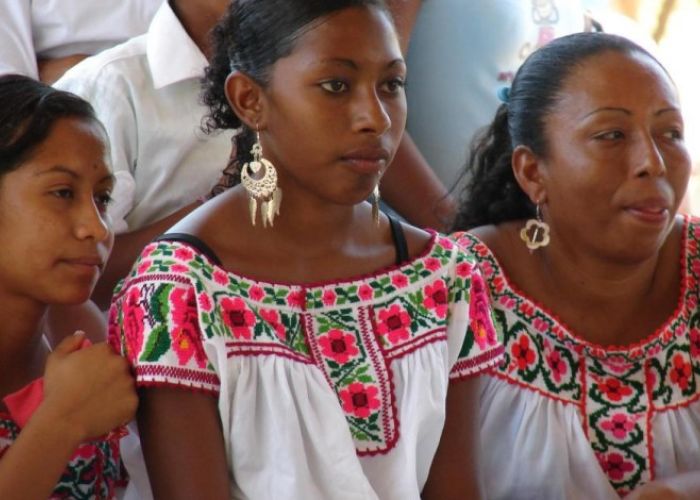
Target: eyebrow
(353, 65)
(60, 169)
(628, 112)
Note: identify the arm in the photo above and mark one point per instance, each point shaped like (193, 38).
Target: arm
(50, 70)
(87, 392)
(454, 473)
(678, 487)
(410, 178)
(127, 248)
(181, 431)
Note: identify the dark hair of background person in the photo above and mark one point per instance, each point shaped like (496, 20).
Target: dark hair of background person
(28, 110)
(250, 38)
(492, 194)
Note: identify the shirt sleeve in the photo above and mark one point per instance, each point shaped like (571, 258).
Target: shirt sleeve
(153, 322)
(16, 45)
(110, 94)
(481, 346)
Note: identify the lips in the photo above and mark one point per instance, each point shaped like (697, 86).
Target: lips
(654, 210)
(366, 160)
(86, 262)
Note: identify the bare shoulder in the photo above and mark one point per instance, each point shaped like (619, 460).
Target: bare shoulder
(416, 239)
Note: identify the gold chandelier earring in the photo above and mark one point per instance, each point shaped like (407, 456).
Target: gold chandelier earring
(375, 204)
(259, 178)
(535, 234)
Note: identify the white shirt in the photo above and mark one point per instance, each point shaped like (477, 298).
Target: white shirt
(31, 29)
(146, 92)
(453, 78)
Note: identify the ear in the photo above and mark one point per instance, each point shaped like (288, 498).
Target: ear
(528, 169)
(246, 98)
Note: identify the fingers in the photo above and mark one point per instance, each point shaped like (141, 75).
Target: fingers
(70, 344)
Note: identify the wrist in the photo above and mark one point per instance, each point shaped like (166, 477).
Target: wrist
(52, 421)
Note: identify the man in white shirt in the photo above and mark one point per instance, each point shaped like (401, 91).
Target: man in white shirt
(42, 38)
(146, 92)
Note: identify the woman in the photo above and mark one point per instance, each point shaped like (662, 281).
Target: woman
(54, 190)
(573, 213)
(314, 346)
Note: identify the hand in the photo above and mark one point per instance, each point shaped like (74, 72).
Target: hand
(656, 490)
(88, 389)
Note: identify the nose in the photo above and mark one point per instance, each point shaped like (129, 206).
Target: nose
(370, 114)
(649, 159)
(91, 223)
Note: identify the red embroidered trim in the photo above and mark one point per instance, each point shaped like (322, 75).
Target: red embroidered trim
(590, 346)
(264, 348)
(385, 376)
(479, 364)
(583, 370)
(649, 414)
(683, 404)
(427, 251)
(166, 277)
(172, 375)
(511, 381)
(308, 326)
(430, 337)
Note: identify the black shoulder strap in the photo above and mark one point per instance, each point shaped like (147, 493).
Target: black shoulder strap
(399, 240)
(193, 241)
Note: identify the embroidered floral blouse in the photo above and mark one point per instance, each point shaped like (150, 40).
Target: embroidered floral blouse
(94, 470)
(327, 391)
(564, 418)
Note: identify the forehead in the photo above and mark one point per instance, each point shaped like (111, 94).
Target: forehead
(618, 79)
(358, 33)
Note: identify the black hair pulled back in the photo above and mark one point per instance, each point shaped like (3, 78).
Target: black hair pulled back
(28, 111)
(492, 195)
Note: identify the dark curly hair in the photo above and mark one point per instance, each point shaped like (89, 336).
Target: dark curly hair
(492, 194)
(250, 38)
(28, 110)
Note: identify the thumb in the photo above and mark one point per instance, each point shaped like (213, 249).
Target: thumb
(70, 344)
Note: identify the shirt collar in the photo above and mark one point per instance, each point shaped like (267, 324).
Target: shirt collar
(172, 55)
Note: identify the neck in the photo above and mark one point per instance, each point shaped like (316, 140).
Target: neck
(22, 351)
(199, 17)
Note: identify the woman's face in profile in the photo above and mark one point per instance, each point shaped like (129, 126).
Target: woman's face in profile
(53, 216)
(617, 166)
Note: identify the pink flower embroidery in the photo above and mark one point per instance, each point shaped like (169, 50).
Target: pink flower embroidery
(272, 317)
(464, 269)
(328, 297)
(179, 268)
(695, 343)
(615, 465)
(523, 354)
(619, 425)
(399, 280)
(394, 323)
(238, 317)
(445, 243)
(143, 266)
(360, 399)
(557, 365)
(148, 250)
(540, 325)
(436, 298)
(220, 277)
(205, 302)
(185, 334)
(133, 316)
(681, 372)
(339, 346)
(365, 292)
(296, 298)
(613, 389)
(183, 254)
(480, 315)
(256, 293)
(432, 264)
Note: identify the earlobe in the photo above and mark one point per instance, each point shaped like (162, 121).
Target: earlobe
(246, 98)
(528, 172)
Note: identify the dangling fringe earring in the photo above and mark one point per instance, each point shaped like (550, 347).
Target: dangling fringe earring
(261, 188)
(535, 234)
(375, 204)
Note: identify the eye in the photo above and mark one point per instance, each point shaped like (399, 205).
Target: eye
(394, 85)
(334, 86)
(103, 200)
(612, 135)
(673, 134)
(63, 193)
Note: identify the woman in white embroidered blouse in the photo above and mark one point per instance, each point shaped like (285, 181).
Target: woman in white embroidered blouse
(597, 293)
(305, 351)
